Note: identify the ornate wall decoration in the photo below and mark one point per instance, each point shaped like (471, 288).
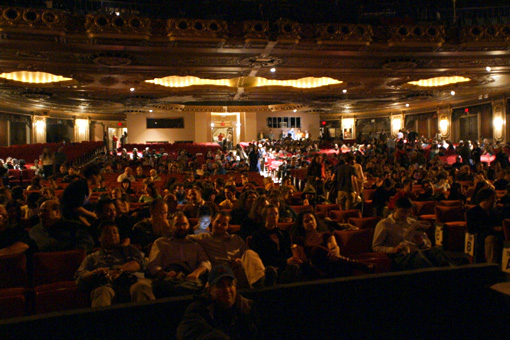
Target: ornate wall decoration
(343, 34)
(111, 26)
(196, 30)
(255, 31)
(485, 33)
(288, 32)
(37, 21)
(417, 35)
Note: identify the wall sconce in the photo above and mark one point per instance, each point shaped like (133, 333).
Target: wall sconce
(40, 125)
(498, 128)
(498, 123)
(212, 125)
(396, 125)
(82, 124)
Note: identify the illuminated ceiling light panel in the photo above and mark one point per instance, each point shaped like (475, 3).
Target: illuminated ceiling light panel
(176, 81)
(303, 83)
(439, 81)
(33, 77)
(309, 82)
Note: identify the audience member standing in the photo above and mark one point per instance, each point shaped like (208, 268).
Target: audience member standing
(47, 160)
(343, 178)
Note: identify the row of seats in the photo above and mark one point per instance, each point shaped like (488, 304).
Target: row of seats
(47, 285)
(29, 152)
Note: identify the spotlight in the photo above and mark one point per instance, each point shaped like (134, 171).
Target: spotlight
(452, 93)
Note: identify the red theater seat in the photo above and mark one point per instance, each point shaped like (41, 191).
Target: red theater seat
(54, 285)
(342, 216)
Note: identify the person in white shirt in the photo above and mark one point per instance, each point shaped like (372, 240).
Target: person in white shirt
(405, 241)
(128, 173)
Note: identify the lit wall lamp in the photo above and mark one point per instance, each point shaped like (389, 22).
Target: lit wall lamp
(396, 124)
(498, 128)
(443, 126)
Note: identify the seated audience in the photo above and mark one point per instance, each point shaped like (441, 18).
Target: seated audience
(405, 241)
(195, 201)
(176, 258)
(13, 238)
(205, 215)
(274, 247)
(224, 248)
(128, 173)
(220, 312)
(320, 251)
(109, 272)
(148, 230)
(55, 234)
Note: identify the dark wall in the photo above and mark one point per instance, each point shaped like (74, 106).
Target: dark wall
(447, 303)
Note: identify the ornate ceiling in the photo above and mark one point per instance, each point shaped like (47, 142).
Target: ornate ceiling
(110, 57)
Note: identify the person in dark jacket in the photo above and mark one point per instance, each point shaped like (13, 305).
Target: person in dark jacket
(220, 313)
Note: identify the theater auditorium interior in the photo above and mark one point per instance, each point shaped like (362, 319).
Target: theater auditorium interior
(186, 73)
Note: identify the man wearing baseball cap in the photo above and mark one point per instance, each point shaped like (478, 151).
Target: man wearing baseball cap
(220, 313)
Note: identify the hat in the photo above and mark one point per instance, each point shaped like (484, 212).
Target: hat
(218, 273)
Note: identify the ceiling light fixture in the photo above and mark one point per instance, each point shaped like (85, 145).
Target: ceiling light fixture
(132, 89)
(34, 77)
(488, 68)
(452, 93)
(439, 81)
(407, 105)
(344, 91)
(273, 70)
(308, 82)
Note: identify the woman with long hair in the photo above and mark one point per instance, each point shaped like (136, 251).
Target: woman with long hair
(320, 251)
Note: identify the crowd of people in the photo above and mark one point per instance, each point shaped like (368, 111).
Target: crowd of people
(155, 227)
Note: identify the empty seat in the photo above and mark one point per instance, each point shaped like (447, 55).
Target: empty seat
(54, 285)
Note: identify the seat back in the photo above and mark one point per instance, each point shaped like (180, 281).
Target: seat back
(364, 222)
(354, 242)
(299, 208)
(56, 266)
(454, 203)
(446, 214)
(424, 208)
(13, 271)
(342, 216)
(325, 208)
